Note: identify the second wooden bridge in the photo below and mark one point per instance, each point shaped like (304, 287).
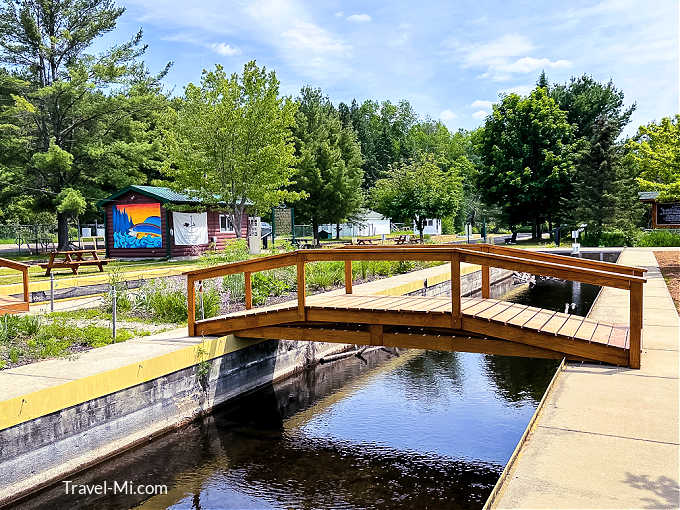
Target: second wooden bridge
(453, 323)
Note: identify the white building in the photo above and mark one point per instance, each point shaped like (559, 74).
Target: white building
(431, 227)
(368, 223)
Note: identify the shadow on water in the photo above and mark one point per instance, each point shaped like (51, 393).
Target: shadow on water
(422, 429)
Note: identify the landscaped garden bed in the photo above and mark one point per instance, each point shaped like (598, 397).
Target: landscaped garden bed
(669, 263)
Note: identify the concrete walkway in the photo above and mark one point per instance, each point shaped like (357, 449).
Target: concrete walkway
(608, 437)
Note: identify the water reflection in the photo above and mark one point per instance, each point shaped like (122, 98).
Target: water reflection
(420, 430)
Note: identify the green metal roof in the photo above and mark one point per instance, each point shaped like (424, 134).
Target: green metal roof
(647, 195)
(161, 193)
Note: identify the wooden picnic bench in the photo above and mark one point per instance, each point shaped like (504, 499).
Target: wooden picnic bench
(73, 259)
(364, 241)
(407, 239)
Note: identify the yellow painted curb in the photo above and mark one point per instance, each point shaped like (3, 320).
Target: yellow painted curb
(49, 400)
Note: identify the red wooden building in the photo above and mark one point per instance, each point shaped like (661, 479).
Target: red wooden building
(140, 223)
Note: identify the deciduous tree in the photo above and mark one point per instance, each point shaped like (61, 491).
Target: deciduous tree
(526, 158)
(231, 141)
(417, 190)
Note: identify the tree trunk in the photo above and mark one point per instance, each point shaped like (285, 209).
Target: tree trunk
(238, 219)
(315, 230)
(534, 230)
(513, 239)
(62, 232)
(337, 230)
(419, 224)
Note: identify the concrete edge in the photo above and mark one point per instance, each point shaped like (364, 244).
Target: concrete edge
(30, 406)
(498, 487)
(42, 402)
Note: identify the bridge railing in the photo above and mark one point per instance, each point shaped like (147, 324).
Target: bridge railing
(603, 274)
(19, 266)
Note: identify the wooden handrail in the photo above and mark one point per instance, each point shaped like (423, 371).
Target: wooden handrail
(19, 266)
(568, 268)
(528, 254)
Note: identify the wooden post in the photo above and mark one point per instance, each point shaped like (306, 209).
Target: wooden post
(25, 279)
(376, 332)
(249, 290)
(348, 276)
(191, 306)
(455, 291)
(486, 277)
(635, 335)
(301, 286)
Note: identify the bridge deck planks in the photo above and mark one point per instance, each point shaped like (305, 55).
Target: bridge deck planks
(410, 311)
(10, 304)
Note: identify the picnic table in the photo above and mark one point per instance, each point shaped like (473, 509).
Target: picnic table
(407, 239)
(73, 259)
(364, 241)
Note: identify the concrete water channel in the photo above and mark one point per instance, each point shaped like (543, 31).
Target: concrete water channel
(408, 429)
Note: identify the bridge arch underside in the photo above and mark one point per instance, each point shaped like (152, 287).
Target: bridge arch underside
(487, 326)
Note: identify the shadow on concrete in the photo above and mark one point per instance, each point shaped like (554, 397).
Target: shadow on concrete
(664, 492)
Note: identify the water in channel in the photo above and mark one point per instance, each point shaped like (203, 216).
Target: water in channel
(419, 429)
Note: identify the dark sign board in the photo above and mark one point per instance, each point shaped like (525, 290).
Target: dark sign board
(668, 214)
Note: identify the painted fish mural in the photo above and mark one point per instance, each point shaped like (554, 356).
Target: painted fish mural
(137, 226)
(149, 227)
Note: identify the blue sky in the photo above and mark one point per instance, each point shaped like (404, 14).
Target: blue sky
(450, 59)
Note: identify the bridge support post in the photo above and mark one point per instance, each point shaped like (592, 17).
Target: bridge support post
(348, 276)
(486, 277)
(301, 286)
(376, 332)
(635, 340)
(455, 291)
(249, 290)
(191, 307)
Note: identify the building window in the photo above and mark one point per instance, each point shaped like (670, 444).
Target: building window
(430, 223)
(226, 224)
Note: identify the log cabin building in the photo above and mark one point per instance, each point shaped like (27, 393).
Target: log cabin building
(141, 222)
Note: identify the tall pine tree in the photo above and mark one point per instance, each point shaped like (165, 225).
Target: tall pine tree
(329, 162)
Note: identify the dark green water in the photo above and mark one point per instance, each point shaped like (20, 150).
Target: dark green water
(419, 429)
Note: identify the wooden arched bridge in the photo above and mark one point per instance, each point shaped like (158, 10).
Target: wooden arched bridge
(452, 323)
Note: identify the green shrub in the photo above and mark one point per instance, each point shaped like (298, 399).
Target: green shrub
(117, 282)
(324, 275)
(659, 238)
(166, 301)
(272, 283)
(12, 326)
(610, 238)
(234, 286)
(234, 251)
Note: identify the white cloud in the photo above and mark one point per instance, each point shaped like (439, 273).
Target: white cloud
(308, 36)
(497, 51)
(225, 49)
(339, 14)
(530, 64)
(480, 114)
(479, 103)
(522, 90)
(503, 57)
(359, 18)
(447, 115)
